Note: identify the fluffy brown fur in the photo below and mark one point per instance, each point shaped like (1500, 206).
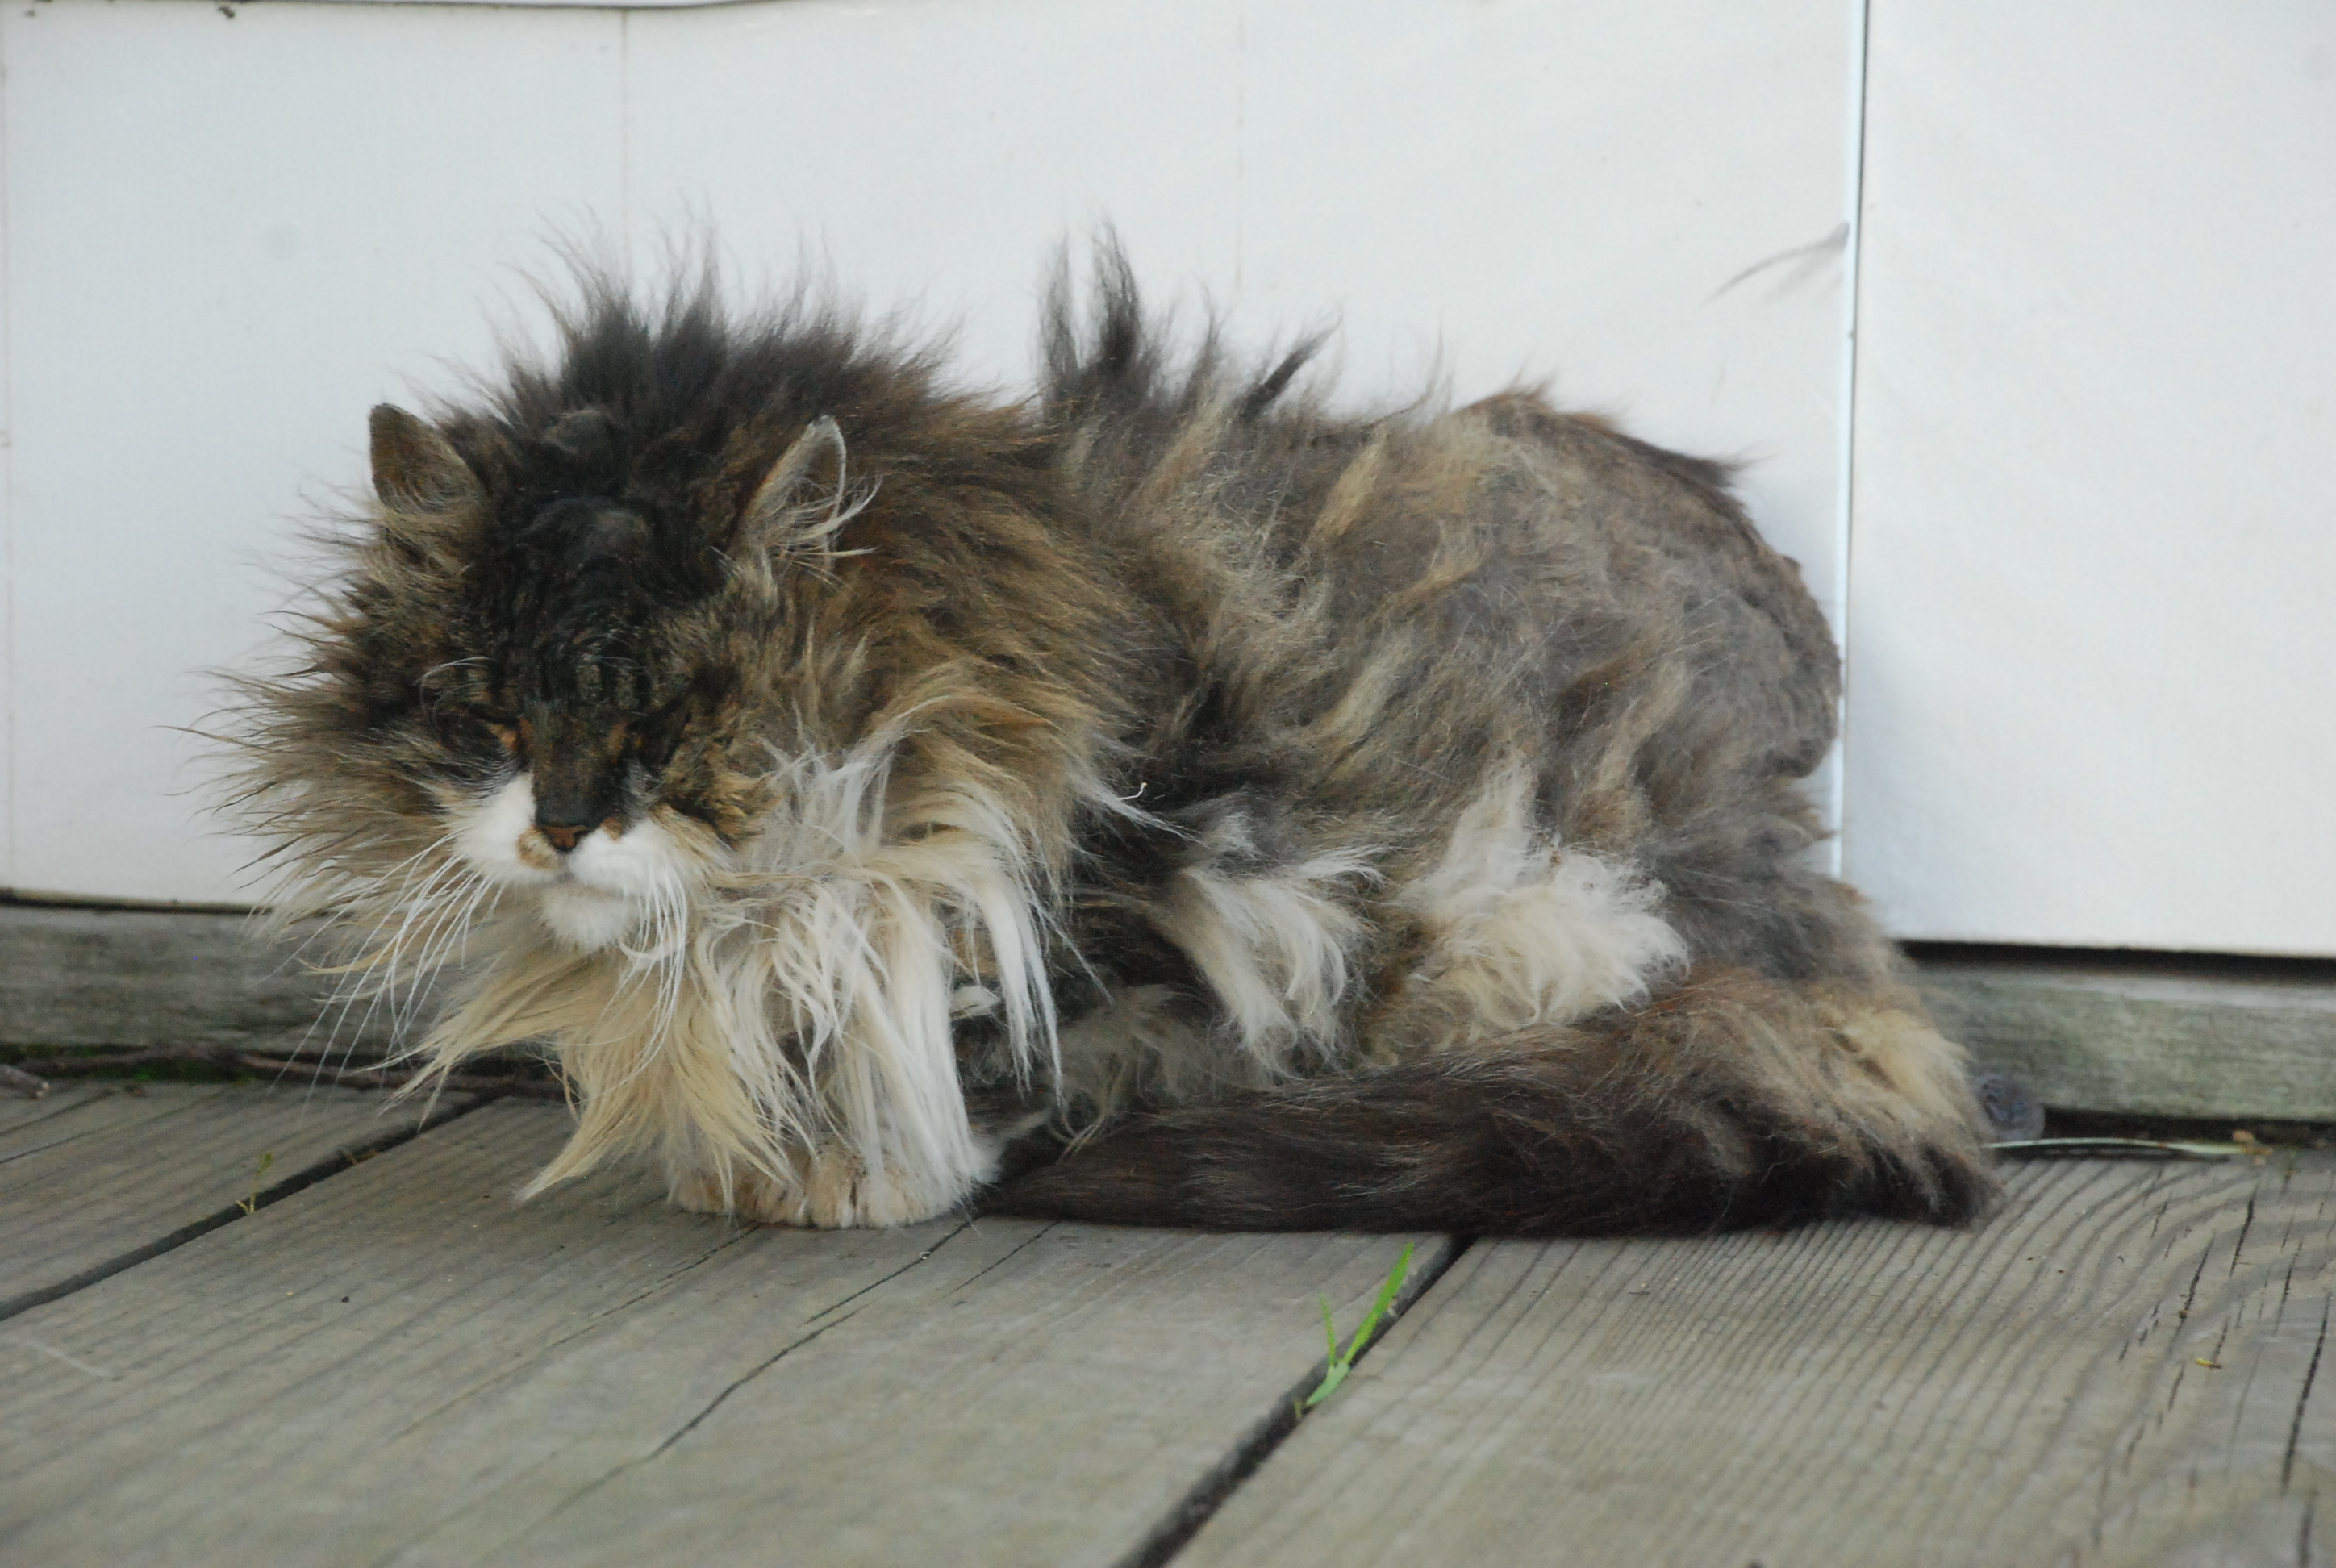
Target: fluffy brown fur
(1222, 811)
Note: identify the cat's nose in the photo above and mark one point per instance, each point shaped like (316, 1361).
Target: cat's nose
(562, 838)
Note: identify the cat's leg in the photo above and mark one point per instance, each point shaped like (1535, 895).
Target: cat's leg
(738, 1123)
(843, 1025)
(1732, 1100)
(925, 1167)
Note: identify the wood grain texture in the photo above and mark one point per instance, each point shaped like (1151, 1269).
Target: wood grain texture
(128, 977)
(2146, 1041)
(2096, 1038)
(1855, 1395)
(17, 1110)
(117, 1172)
(399, 1365)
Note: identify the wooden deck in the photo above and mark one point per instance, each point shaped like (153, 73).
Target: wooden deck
(365, 1353)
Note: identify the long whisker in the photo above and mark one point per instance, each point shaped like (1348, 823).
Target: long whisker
(362, 978)
(452, 929)
(375, 977)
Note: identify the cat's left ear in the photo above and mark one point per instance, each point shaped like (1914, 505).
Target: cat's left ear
(807, 497)
(415, 469)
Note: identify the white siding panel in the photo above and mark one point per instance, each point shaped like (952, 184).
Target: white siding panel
(242, 231)
(2093, 628)
(932, 154)
(1646, 205)
(227, 236)
(1516, 189)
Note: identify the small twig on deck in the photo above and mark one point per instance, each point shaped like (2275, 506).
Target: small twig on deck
(2170, 1148)
(31, 1086)
(250, 1205)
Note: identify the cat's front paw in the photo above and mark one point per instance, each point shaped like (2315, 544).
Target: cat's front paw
(749, 1194)
(833, 1192)
(839, 1191)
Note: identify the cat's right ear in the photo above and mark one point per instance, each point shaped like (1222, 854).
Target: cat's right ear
(807, 497)
(415, 469)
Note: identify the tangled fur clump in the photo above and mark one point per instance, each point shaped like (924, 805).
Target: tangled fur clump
(1219, 810)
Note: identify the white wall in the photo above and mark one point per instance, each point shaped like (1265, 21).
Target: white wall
(2086, 590)
(227, 236)
(2092, 671)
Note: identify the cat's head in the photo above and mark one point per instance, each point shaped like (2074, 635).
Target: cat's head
(624, 630)
(542, 667)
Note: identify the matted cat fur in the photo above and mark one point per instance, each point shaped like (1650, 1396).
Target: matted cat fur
(1163, 800)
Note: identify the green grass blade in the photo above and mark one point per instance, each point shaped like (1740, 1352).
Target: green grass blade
(1340, 1362)
(1387, 1299)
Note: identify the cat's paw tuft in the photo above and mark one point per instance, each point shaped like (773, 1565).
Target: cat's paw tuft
(841, 1192)
(751, 1195)
(835, 1191)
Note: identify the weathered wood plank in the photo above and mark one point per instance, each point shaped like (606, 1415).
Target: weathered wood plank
(2029, 1393)
(131, 977)
(2164, 1036)
(16, 1110)
(399, 1365)
(120, 1171)
(2170, 1037)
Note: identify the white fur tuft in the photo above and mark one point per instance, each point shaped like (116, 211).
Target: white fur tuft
(1275, 948)
(1523, 932)
(862, 942)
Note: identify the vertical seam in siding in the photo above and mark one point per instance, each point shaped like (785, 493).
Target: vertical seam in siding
(1845, 530)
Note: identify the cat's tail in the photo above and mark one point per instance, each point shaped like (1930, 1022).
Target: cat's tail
(1730, 1102)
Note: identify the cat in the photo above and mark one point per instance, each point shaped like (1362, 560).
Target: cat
(1165, 800)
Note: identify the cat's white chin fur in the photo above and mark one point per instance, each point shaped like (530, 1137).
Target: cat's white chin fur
(598, 895)
(588, 918)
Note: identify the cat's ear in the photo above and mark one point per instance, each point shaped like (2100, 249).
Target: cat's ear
(807, 497)
(415, 469)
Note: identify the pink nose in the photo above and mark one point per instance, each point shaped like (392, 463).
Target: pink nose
(563, 838)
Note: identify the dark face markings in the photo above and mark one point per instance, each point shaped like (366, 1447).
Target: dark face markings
(559, 660)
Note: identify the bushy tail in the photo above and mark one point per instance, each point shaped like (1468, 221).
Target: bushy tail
(1731, 1102)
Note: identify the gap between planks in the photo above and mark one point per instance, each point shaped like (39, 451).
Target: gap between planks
(97, 1178)
(609, 1379)
(2124, 1367)
(400, 1366)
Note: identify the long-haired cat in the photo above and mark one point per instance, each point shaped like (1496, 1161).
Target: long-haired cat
(1217, 810)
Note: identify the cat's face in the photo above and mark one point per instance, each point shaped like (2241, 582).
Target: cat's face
(562, 708)
(596, 813)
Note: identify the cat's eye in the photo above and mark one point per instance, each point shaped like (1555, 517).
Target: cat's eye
(658, 735)
(473, 734)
